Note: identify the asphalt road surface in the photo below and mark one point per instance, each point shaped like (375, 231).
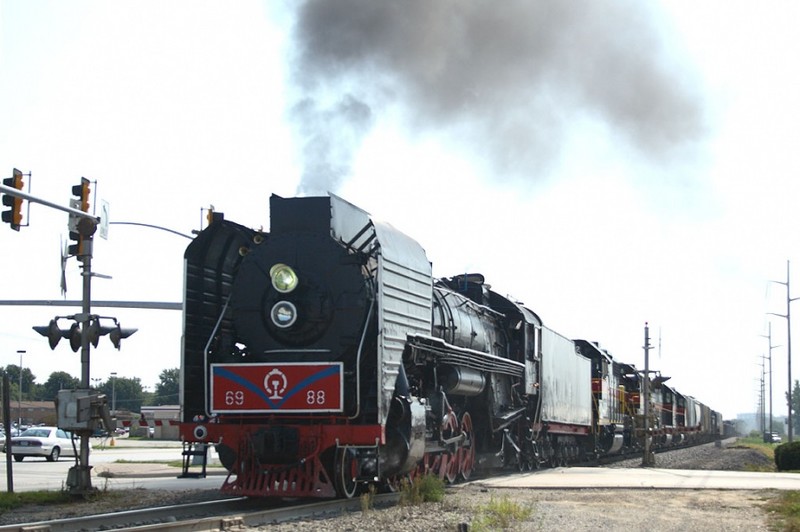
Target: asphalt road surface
(125, 465)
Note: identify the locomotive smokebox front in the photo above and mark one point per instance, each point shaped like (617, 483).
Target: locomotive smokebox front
(301, 289)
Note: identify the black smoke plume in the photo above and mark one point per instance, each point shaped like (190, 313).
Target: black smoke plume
(502, 79)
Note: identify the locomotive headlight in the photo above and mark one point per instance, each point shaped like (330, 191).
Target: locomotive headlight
(283, 314)
(284, 279)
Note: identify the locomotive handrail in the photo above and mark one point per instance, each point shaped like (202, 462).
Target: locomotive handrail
(466, 357)
(206, 350)
(358, 360)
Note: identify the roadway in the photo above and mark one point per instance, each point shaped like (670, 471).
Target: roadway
(128, 464)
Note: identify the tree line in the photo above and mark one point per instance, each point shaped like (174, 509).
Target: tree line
(125, 393)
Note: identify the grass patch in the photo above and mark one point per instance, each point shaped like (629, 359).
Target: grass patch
(12, 501)
(758, 445)
(426, 488)
(786, 508)
(500, 514)
(368, 498)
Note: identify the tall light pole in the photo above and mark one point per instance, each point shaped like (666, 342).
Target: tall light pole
(113, 394)
(19, 412)
(648, 460)
(788, 317)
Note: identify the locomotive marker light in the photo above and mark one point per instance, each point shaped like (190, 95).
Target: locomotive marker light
(284, 314)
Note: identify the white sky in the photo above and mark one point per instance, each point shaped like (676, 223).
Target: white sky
(172, 106)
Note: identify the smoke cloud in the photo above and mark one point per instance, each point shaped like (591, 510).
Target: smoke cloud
(501, 79)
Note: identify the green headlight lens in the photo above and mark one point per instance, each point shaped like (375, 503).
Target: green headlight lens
(284, 279)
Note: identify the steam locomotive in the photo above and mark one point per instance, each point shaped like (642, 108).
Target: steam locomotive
(323, 356)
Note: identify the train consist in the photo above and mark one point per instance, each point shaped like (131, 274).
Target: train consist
(323, 356)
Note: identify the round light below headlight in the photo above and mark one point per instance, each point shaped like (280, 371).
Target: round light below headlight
(283, 314)
(283, 278)
(200, 432)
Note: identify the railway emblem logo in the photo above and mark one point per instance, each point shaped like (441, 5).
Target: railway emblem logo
(275, 383)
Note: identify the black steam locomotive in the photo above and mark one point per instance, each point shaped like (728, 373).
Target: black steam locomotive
(323, 356)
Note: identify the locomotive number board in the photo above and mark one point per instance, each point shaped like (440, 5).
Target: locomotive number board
(274, 388)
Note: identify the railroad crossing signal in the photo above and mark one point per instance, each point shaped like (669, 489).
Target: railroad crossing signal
(54, 334)
(14, 215)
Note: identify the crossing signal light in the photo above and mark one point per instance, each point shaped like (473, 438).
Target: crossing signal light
(52, 332)
(118, 333)
(14, 215)
(74, 334)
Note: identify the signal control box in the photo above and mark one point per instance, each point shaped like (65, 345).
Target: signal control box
(83, 411)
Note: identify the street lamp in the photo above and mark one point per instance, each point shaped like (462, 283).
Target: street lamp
(113, 394)
(19, 405)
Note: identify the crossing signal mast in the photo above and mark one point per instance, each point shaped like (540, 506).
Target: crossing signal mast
(79, 411)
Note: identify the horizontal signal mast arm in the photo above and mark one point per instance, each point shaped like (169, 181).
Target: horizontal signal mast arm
(11, 191)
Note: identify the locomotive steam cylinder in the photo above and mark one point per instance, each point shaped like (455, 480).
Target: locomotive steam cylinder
(458, 380)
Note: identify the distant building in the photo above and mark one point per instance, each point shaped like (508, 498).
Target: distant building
(164, 420)
(32, 412)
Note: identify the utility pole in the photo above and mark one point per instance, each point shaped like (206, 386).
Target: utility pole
(648, 460)
(113, 394)
(19, 417)
(768, 336)
(762, 397)
(788, 317)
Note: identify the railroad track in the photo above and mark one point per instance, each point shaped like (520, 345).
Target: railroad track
(211, 515)
(230, 513)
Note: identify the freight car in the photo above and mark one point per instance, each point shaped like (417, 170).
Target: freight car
(323, 356)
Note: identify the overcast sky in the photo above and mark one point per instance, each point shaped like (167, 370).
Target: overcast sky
(607, 163)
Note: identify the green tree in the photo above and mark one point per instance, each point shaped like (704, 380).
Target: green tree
(58, 380)
(796, 408)
(168, 388)
(28, 379)
(123, 393)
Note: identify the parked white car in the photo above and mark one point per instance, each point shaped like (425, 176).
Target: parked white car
(49, 442)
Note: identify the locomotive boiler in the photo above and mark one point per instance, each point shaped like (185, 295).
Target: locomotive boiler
(322, 356)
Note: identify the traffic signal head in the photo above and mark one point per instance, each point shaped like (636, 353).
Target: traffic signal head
(14, 215)
(82, 192)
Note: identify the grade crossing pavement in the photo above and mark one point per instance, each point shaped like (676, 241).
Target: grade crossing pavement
(604, 477)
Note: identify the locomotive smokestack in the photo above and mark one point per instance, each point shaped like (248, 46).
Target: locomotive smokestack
(501, 80)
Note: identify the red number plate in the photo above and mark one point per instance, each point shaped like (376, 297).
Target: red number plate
(286, 387)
